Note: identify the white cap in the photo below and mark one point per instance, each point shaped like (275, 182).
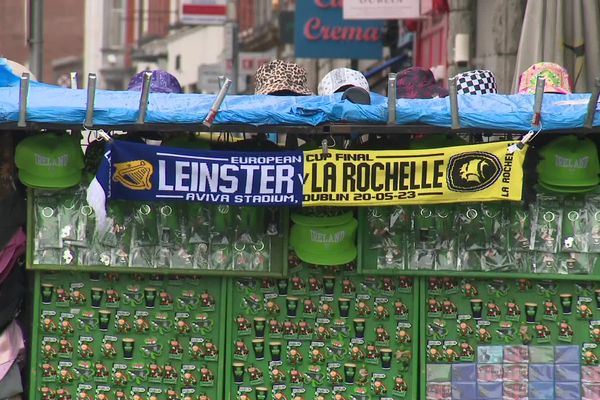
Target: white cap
(340, 77)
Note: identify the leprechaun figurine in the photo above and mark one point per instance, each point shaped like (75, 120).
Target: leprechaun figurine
(309, 306)
(550, 310)
(295, 357)
(469, 290)
(484, 335)
(363, 377)
(362, 309)
(595, 334)
(584, 311)
(255, 373)
(141, 325)
(66, 327)
(155, 372)
(272, 308)
(183, 327)
(298, 284)
(464, 329)
(210, 350)
(434, 285)
(433, 355)
(304, 329)
(403, 336)
(450, 355)
(175, 347)
(493, 311)
(400, 309)
(348, 286)
(381, 312)
(188, 379)
(589, 358)
(379, 387)
(466, 351)
(512, 310)
(433, 306)
(323, 332)
(356, 353)
(317, 356)
(100, 370)
(400, 385)
(565, 331)
(241, 349)
(47, 393)
(335, 377)
(524, 334)
(277, 376)
(120, 379)
(243, 325)
(296, 377)
(207, 300)
(48, 351)
(372, 352)
(381, 335)
(275, 327)
(108, 350)
(314, 284)
(387, 285)
(289, 328)
(448, 307)
(206, 375)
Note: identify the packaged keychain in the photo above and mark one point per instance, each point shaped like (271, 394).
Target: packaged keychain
(198, 220)
(171, 226)
(593, 230)
(425, 232)
(471, 228)
(46, 221)
(145, 232)
(495, 225)
(520, 227)
(574, 234)
(547, 221)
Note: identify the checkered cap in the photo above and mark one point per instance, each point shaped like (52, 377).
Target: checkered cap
(476, 82)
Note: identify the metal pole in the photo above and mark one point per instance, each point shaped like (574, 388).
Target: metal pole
(591, 111)
(23, 91)
(36, 39)
(235, 44)
(453, 94)
(392, 84)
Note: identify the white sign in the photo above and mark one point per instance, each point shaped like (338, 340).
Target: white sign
(381, 9)
(208, 77)
(250, 61)
(203, 12)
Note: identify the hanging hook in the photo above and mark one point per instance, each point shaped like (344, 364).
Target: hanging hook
(453, 92)
(91, 97)
(325, 146)
(392, 83)
(593, 103)
(214, 109)
(73, 80)
(23, 93)
(143, 108)
(540, 84)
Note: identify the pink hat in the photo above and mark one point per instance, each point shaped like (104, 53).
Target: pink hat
(11, 347)
(557, 78)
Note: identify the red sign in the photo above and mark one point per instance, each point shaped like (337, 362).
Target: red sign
(203, 12)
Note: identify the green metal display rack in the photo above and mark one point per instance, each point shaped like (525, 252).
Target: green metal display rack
(127, 337)
(315, 334)
(508, 338)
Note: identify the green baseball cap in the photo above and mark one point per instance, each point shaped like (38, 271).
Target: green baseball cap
(324, 245)
(436, 141)
(570, 163)
(49, 161)
(569, 189)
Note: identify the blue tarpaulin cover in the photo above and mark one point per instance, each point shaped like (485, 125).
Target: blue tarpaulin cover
(57, 105)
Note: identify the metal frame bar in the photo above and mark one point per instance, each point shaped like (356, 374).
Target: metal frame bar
(453, 94)
(23, 93)
(593, 103)
(540, 84)
(143, 108)
(391, 87)
(91, 97)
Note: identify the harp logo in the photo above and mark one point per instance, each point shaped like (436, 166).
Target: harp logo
(473, 171)
(134, 175)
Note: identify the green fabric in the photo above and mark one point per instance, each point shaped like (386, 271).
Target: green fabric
(49, 161)
(319, 220)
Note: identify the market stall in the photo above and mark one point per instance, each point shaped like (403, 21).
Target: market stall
(202, 270)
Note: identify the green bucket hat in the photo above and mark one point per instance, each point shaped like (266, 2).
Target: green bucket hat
(569, 164)
(436, 141)
(49, 161)
(331, 244)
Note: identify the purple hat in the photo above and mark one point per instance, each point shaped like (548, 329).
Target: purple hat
(162, 82)
(418, 83)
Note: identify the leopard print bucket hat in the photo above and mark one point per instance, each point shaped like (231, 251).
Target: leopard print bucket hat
(280, 76)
